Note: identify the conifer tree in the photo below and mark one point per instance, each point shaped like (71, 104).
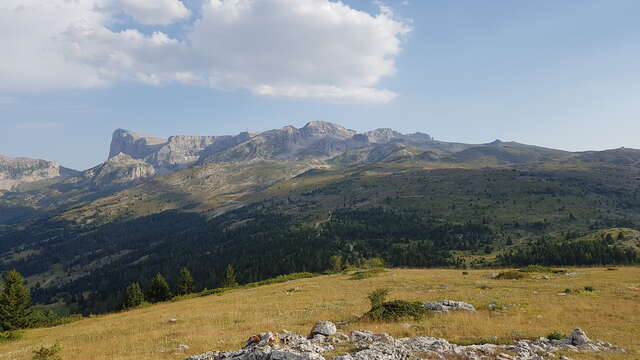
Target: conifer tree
(15, 303)
(158, 289)
(133, 296)
(185, 283)
(229, 277)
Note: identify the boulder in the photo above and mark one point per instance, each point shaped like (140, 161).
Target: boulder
(326, 328)
(448, 305)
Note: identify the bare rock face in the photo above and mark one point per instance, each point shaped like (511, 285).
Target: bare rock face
(17, 171)
(120, 169)
(316, 141)
(135, 145)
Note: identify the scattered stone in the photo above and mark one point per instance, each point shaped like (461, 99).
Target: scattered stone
(448, 305)
(490, 276)
(326, 328)
(172, 321)
(372, 346)
(492, 305)
(183, 347)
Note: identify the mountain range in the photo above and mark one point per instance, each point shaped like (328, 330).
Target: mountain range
(287, 199)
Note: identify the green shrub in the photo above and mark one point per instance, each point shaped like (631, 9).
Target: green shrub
(336, 264)
(555, 336)
(282, 278)
(50, 353)
(465, 273)
(397, 310)
(374, 263)
(568, 291)
(10, 335)
(377, 297)
(588, 288)
(50, 318)
(366, 274)
(510, 275)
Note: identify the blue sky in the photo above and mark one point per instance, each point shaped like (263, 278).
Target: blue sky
(562, 74)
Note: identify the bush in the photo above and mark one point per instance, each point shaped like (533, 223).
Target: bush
(374, 263)
(568, 291)
(10, 335)
(336, 264)
(50, 353)
(536, 268)
(50, 318)
(465, 273)
(555, 336)
(588, 288)
(397, 310)
(510, 275)
(377, 297)
(366, 274)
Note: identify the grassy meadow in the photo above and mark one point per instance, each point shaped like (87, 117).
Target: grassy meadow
(526, 308)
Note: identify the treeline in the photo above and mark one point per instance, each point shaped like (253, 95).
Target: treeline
(549, 251)
(260, 244)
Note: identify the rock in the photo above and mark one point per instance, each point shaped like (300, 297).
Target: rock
(18, 171)
(578, 338)
(492, 306)
(373, 346)
(326, 328)
(172, 321)
(448, 305)
(183, 347)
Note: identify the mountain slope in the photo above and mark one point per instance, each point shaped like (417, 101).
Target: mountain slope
(287, 199)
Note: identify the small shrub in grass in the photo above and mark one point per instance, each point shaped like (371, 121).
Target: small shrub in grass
(588, 288)
(48, 353)
(465, 273)
(510, 275)
(377, 297)
(397, 310)
(10, 335)
(568, 291)
(366, 274)
(555, 336)
(611, 269)
(374, 263)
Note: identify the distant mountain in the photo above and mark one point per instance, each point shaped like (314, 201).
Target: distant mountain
(287, 199)
(17, 171)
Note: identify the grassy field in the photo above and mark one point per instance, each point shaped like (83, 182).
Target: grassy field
(529, 307)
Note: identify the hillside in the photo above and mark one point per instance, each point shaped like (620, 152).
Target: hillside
(288, 199)
(527, 308)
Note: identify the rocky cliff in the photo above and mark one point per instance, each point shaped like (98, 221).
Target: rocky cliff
(18, 171)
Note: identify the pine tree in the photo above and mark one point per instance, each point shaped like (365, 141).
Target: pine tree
(15, 303)
(158, 289)
(185, 283)
(229, 277)
(133, 296)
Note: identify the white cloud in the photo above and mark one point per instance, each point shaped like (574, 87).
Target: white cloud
(318, 49)
(154, 12)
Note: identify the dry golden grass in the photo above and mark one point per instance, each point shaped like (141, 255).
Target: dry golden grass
(611, 313)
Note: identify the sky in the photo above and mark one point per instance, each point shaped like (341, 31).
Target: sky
(561, 74)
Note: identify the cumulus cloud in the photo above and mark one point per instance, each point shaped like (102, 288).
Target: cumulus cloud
(154, 12)
(318, 49)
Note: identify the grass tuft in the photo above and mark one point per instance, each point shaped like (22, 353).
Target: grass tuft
(510, 275)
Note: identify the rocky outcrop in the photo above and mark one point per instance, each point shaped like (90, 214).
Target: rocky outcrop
(448, 305)
(18, 171)
(371, 346)
(120, 169)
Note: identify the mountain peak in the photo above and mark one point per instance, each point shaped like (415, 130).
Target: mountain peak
(324, 128)
(133, 144)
